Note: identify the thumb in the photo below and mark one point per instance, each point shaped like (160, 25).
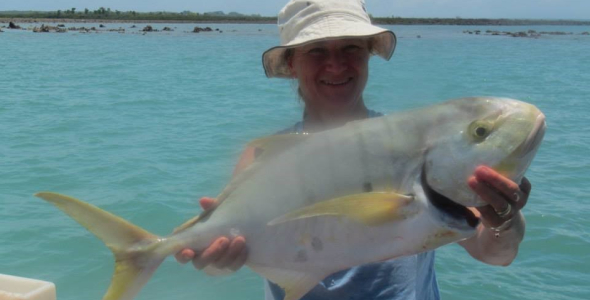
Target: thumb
(207, 203)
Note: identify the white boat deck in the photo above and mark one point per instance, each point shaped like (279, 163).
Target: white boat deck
(20, 288)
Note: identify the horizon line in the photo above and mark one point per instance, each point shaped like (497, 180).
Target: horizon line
(274, 16)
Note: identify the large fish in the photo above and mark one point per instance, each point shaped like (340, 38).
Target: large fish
(313, 204)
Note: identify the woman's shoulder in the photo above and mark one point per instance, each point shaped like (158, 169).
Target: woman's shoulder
(295, 128)
(298, 127)
(374, 114)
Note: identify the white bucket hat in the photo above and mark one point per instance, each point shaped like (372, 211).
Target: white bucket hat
(306, 21)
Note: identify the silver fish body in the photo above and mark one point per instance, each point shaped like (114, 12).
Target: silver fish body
(313, 204)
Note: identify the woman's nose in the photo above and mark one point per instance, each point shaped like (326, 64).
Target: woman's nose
(336, 62)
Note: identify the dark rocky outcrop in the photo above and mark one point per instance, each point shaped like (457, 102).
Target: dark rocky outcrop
(556, 33)
(519, 34)
(48, 28)
(527, 34)
(43, 28)
(11, 25)
(148, 28)
(79, 29)
(199, 29)
(119, 30)
(534, 34)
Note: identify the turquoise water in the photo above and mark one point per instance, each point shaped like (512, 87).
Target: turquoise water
(144, 125)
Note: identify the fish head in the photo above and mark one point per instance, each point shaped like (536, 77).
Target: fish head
(501, 133)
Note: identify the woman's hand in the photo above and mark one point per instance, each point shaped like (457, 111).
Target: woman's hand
(221, 254)
(502, 224)
(505, 197)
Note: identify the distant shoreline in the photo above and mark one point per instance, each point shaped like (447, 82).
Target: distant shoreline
(110, 21)
(381, 21)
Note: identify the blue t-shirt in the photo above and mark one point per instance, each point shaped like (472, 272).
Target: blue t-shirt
(407, 278)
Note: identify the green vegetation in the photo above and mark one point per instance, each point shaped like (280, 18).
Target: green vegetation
(219, 16)
(108, 14)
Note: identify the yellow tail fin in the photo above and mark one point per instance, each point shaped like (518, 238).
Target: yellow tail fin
(134, 248)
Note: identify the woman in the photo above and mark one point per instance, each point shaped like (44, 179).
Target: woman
(326, 46)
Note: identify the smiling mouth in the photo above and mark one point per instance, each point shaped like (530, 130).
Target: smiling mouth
(336, 83)
(446, 205)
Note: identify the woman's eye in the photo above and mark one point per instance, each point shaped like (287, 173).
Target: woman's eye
(351, 48)
(316, 51)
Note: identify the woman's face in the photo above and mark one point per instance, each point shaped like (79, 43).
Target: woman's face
(332, 74)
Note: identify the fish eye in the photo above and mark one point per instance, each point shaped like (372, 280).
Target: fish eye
(479, 130)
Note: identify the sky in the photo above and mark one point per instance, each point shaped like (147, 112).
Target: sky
(529, 9)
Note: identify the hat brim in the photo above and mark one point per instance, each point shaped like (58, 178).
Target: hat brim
(384, 41)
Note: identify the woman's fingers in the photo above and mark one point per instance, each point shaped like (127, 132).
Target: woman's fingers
(221, 254)
(230, 258)
(240, 261)
(497, 204)
(184, 256)
(497, 181)
(212, 253)
(525, 189)
(504, 196)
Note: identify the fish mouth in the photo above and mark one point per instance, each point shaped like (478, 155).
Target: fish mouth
(535, 136)
(521, 156)
(446, 205)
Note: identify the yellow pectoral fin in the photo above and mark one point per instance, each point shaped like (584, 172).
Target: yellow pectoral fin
(371, 209)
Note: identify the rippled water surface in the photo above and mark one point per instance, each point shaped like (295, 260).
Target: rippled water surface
(143, 125)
